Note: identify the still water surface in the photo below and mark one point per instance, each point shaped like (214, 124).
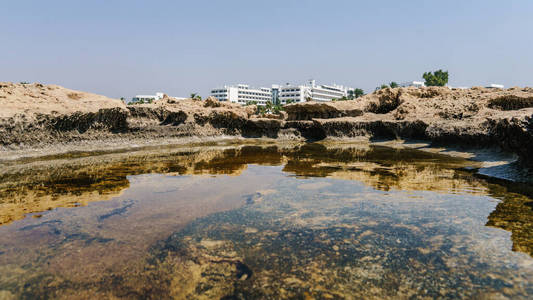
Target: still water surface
(272, 221)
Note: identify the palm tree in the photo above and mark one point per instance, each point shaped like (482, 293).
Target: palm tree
(195, 96)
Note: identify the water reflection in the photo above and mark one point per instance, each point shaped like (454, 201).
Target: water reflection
(514, 213)
(294, 220)
(41, 186)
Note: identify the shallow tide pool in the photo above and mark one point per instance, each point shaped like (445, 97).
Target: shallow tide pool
(227, 221)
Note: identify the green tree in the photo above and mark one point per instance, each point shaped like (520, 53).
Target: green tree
(268, 106)
(358, 93)
(195, 96)
(277, 108)
(437, 78)
(383, 86)
(351, 94)
(393, 84)
(261, 109)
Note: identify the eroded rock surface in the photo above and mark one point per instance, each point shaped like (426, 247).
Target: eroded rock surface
(476, 116)
(35, 116)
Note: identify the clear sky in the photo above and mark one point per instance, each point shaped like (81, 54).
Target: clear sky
(123, 48)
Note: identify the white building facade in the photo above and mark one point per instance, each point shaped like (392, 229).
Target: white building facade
(151, 98)
(495, 86)
(278, 94)
(243, 94)
(147, 98)
(312, 92)
(413, 83)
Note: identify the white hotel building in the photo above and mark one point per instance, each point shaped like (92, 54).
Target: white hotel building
(243, 94)
(417, 84)
(147, 98)
(312, 91)
(151, 98)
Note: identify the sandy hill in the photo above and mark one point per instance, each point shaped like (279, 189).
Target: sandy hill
(36, 98)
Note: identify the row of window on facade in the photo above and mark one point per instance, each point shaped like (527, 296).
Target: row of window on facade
(290, 95)
(250, 93)
(247, 101)
(331, 89)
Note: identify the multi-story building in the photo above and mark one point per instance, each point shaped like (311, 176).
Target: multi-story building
(275, 94)
(243, 94)
(312, 92)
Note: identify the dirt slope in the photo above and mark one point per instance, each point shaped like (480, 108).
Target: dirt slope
(30, 99)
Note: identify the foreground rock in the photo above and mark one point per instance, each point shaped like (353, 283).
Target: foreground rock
(36, 116)
(476, 117)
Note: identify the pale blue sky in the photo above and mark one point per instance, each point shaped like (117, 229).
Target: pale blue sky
(123, 48)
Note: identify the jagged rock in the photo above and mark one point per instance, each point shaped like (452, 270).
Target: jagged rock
(211, 102)
(34, 115)
(323, 110)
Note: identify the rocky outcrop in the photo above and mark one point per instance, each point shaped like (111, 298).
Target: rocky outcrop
(475, 117)
(323, 110)
(34, 115)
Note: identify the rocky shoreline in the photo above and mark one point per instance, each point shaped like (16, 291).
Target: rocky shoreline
(41, 119)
